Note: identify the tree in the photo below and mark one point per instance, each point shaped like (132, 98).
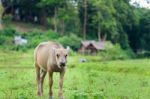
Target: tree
(144, 32)
(83, 10)
(53, 5)
(90, 19)
(63, 13)
(67, 17)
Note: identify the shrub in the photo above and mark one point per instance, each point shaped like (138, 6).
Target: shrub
(19, 48)
(72, 53)
(72, 40)
(7, 19)
(51, 35)
(6, 36)
(143, 54)
(8, 32)
(34, 38)
(115, 52)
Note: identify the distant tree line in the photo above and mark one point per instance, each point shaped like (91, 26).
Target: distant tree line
(116, 20)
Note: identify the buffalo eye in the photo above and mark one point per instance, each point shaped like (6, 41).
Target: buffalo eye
(66, 55)
(57, 55)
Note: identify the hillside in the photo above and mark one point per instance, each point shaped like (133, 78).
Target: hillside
(24, 27)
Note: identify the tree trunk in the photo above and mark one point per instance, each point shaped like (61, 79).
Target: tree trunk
(1, 13)
(62, 27)
(99, 32)
(55, 19)
(85, 19)
(43, 18)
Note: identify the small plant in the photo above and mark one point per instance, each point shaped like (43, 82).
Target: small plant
(97, 96)
(80, 96)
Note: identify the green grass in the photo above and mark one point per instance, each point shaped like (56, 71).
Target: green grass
(95, 79)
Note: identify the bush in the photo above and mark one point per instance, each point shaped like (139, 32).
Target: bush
(72, 40)
(143, 54)
(35, 37)
(7, 19)
(8, 32)
(52, 35)
(6, 36)
(115, 52)
(72, 53)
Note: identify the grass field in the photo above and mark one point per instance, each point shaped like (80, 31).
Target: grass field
(95, 79)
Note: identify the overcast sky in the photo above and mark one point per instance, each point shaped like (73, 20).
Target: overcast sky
(142, 3)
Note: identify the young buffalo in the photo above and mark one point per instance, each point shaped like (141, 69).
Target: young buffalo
(50, 57)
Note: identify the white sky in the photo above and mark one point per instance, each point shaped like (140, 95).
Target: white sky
(142, 3)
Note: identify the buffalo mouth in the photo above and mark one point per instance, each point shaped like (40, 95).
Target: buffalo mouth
(62, 65)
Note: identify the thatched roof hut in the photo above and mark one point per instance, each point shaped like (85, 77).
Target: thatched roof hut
(91, 47)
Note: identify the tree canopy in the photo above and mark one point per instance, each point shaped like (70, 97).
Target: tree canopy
(116, 20)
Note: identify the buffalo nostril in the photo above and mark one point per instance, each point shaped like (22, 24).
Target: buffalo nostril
(62, 64)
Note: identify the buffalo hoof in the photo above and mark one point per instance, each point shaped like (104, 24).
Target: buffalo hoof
(40, 94)
(50, 97)
(61, 98)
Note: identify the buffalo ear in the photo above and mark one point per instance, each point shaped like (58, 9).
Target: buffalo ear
(54, 49)
(68, 48)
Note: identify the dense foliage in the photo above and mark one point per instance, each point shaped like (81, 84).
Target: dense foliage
(116, 20)
(112, 51)
(34, 38)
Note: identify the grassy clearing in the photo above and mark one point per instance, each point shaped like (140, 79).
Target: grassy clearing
(95, 79)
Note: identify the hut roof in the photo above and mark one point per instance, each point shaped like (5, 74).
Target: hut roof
(86, 43)
(98, 45)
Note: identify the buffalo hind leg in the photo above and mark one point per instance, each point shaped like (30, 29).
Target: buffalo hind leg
(38, 78)
(42, 76)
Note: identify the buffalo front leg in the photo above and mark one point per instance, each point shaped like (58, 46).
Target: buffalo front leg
(50, 85)
(61, 79)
